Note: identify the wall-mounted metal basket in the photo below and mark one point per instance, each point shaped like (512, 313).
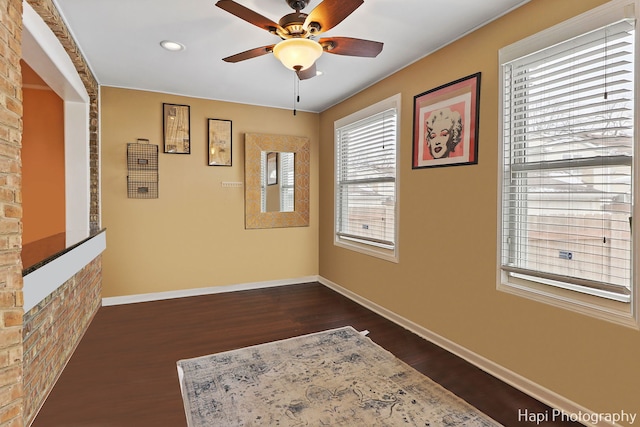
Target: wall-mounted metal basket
(142, 167)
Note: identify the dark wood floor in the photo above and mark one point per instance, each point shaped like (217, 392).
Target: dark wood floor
(123, 373)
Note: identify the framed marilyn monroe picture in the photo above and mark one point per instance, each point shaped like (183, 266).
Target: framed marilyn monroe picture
(445, 124)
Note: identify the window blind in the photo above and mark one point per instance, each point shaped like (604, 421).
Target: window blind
(366, 175)
(287, 183)
(568, 153)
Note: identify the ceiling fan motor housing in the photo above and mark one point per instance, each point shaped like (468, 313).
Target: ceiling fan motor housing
(297, 4)
(293, 25)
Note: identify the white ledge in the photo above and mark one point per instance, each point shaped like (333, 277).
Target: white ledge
(42, 282)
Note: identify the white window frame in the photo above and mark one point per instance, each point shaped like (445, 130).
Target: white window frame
(385, 253)
(623, 313)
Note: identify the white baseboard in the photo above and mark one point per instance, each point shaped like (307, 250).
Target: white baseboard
(158, 296)
(549, 397)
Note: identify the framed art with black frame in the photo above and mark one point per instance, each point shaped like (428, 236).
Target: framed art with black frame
(445, 124)
(176, 129)
(220, 143)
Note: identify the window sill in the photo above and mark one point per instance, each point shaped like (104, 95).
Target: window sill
(390, 255)
(620, 313)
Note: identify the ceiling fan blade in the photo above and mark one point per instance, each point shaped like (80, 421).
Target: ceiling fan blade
(248, 54)
(308, 73)
(248, 15)
(351, 47)
(330, 13)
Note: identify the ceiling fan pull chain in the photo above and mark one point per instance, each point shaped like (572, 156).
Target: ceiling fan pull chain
(296, 96)
(296, 91)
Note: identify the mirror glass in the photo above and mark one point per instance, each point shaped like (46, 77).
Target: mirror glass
(277, 186)
(276, 181)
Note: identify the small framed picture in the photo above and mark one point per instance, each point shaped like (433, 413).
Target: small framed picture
(445, 124)
(272, 168)
(220, 143)
(176, 128)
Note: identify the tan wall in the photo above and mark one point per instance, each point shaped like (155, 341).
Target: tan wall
(43, 186)
(446, 278)
(193, 235)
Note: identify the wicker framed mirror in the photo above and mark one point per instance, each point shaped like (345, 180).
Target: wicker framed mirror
(257, 216)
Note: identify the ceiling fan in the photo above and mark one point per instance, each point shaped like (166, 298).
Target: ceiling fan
(299, 49)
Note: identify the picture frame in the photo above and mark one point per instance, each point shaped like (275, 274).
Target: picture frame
(220, 142)
(176, 128)
(445, 124)
(272, 168)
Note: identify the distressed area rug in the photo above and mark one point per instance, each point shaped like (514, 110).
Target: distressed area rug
(332, 378)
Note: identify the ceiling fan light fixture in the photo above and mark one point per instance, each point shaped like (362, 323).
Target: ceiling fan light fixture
(297, 53)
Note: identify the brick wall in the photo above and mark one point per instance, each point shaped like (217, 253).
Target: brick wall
(78, 299)
(11, 392)
(53, 329)
(62, 317)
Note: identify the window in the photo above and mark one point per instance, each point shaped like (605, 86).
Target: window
(366, 185)
(568, 113)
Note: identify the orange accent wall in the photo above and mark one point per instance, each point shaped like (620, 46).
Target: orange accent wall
(43, 171)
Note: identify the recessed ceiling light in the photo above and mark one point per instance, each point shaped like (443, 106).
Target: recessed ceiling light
(172, 46)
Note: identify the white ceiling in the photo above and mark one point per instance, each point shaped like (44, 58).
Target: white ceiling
(120, 41)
